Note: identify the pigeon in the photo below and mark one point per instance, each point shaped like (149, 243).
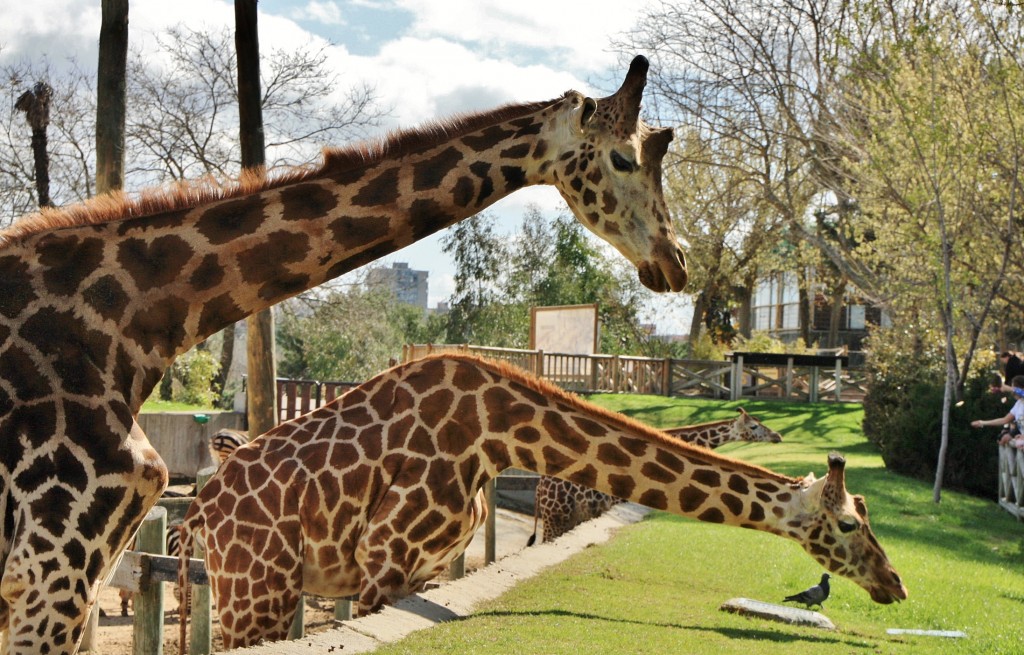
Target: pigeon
(815, 595)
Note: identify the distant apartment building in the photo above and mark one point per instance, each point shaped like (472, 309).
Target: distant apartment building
(409, 286)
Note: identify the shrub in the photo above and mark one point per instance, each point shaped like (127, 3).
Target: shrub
(194, 373)
(903, 414)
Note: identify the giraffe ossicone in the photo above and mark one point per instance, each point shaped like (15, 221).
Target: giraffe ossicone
(560, 505)
(97, 299)
(375, 493)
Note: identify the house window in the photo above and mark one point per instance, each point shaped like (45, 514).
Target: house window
(776, 303)
(855, 317)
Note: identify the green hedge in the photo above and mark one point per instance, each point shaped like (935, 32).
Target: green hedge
(903, 418)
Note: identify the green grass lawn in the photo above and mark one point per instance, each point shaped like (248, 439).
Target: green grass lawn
(656, 586)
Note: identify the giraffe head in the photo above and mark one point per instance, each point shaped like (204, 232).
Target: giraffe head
(609, 172)
(751, 429)
(838, 535)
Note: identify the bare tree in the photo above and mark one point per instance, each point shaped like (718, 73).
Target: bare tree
(69, 138)
(183, 118)
(36, 105)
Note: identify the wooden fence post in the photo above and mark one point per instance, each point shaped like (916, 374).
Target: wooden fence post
(147, 635)
(839, 378)
(200, 640)
(457, 569)
(666, 384)
(342, 609)
(298, 629)
(491, 527)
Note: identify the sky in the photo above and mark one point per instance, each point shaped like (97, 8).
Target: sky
(425, 58)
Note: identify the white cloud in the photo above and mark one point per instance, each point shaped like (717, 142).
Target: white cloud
(328, 13)
(432, 78)
(576, 31)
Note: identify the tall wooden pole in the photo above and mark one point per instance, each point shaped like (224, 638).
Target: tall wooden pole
(111, 100)
(110, 96)
(261, 382)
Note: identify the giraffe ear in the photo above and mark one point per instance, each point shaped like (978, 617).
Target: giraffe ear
(656, 145)
(586, 114)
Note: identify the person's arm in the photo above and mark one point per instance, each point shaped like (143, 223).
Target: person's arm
(992, 421)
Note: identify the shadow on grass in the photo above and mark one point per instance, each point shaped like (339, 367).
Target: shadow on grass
(731, 633)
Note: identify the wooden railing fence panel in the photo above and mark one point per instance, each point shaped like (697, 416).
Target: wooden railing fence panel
(804, 378)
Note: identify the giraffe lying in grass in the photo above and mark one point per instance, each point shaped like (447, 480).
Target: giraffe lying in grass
(375, 493)
(561, 505)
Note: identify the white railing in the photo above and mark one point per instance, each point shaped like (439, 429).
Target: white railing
(1011, 480)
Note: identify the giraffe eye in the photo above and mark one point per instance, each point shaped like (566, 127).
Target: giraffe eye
(847, 526)
(621, 163)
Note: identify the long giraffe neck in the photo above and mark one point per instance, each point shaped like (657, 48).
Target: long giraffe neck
(170, 279)
(512, 419)
(709, 435)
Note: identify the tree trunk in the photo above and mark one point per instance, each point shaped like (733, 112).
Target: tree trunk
(697, 320)
(261, 385)
(804, 306)
(745, 298)
(36, 105)
(227, 358)
(836, 297)
(110, 96)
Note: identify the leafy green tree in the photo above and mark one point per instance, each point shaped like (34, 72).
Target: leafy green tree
(554, 262)
(348, 335)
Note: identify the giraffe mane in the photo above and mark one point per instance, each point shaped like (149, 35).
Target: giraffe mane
(185, 195)
(548, 389)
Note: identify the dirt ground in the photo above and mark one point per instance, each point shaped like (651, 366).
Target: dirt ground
(114, 636)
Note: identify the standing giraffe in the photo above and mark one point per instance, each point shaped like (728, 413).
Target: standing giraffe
(562, 505)
(221, 443)
(98, 299)
(375, 493)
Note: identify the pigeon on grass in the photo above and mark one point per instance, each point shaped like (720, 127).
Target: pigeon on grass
(815, 595)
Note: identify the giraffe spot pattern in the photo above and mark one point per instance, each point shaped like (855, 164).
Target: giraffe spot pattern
(308, 201)
(228, 220)
(429, 173)
(381, 190)
(107, 297)
(265, 265)
(487, 138)
(68, 261)
(154, 263)
(159, 328)
(208, 274)
(20, 369)
(78, 355)
(16, 288)
(428, 216)
(219, 310)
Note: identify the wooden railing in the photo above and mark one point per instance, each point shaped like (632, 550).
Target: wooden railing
(787, 377)
(298, 397)
(1011, 480)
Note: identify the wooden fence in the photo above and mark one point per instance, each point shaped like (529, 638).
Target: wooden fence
(806, 378)
(144, 570)
(1011, 480)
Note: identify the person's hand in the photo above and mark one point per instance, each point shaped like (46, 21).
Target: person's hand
(975, 424)
(996, 389)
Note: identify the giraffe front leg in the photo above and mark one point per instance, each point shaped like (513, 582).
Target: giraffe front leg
(48, 602)
(256, 579)
(70, 528)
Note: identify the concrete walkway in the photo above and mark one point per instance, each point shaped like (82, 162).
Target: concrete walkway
(456, 599)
